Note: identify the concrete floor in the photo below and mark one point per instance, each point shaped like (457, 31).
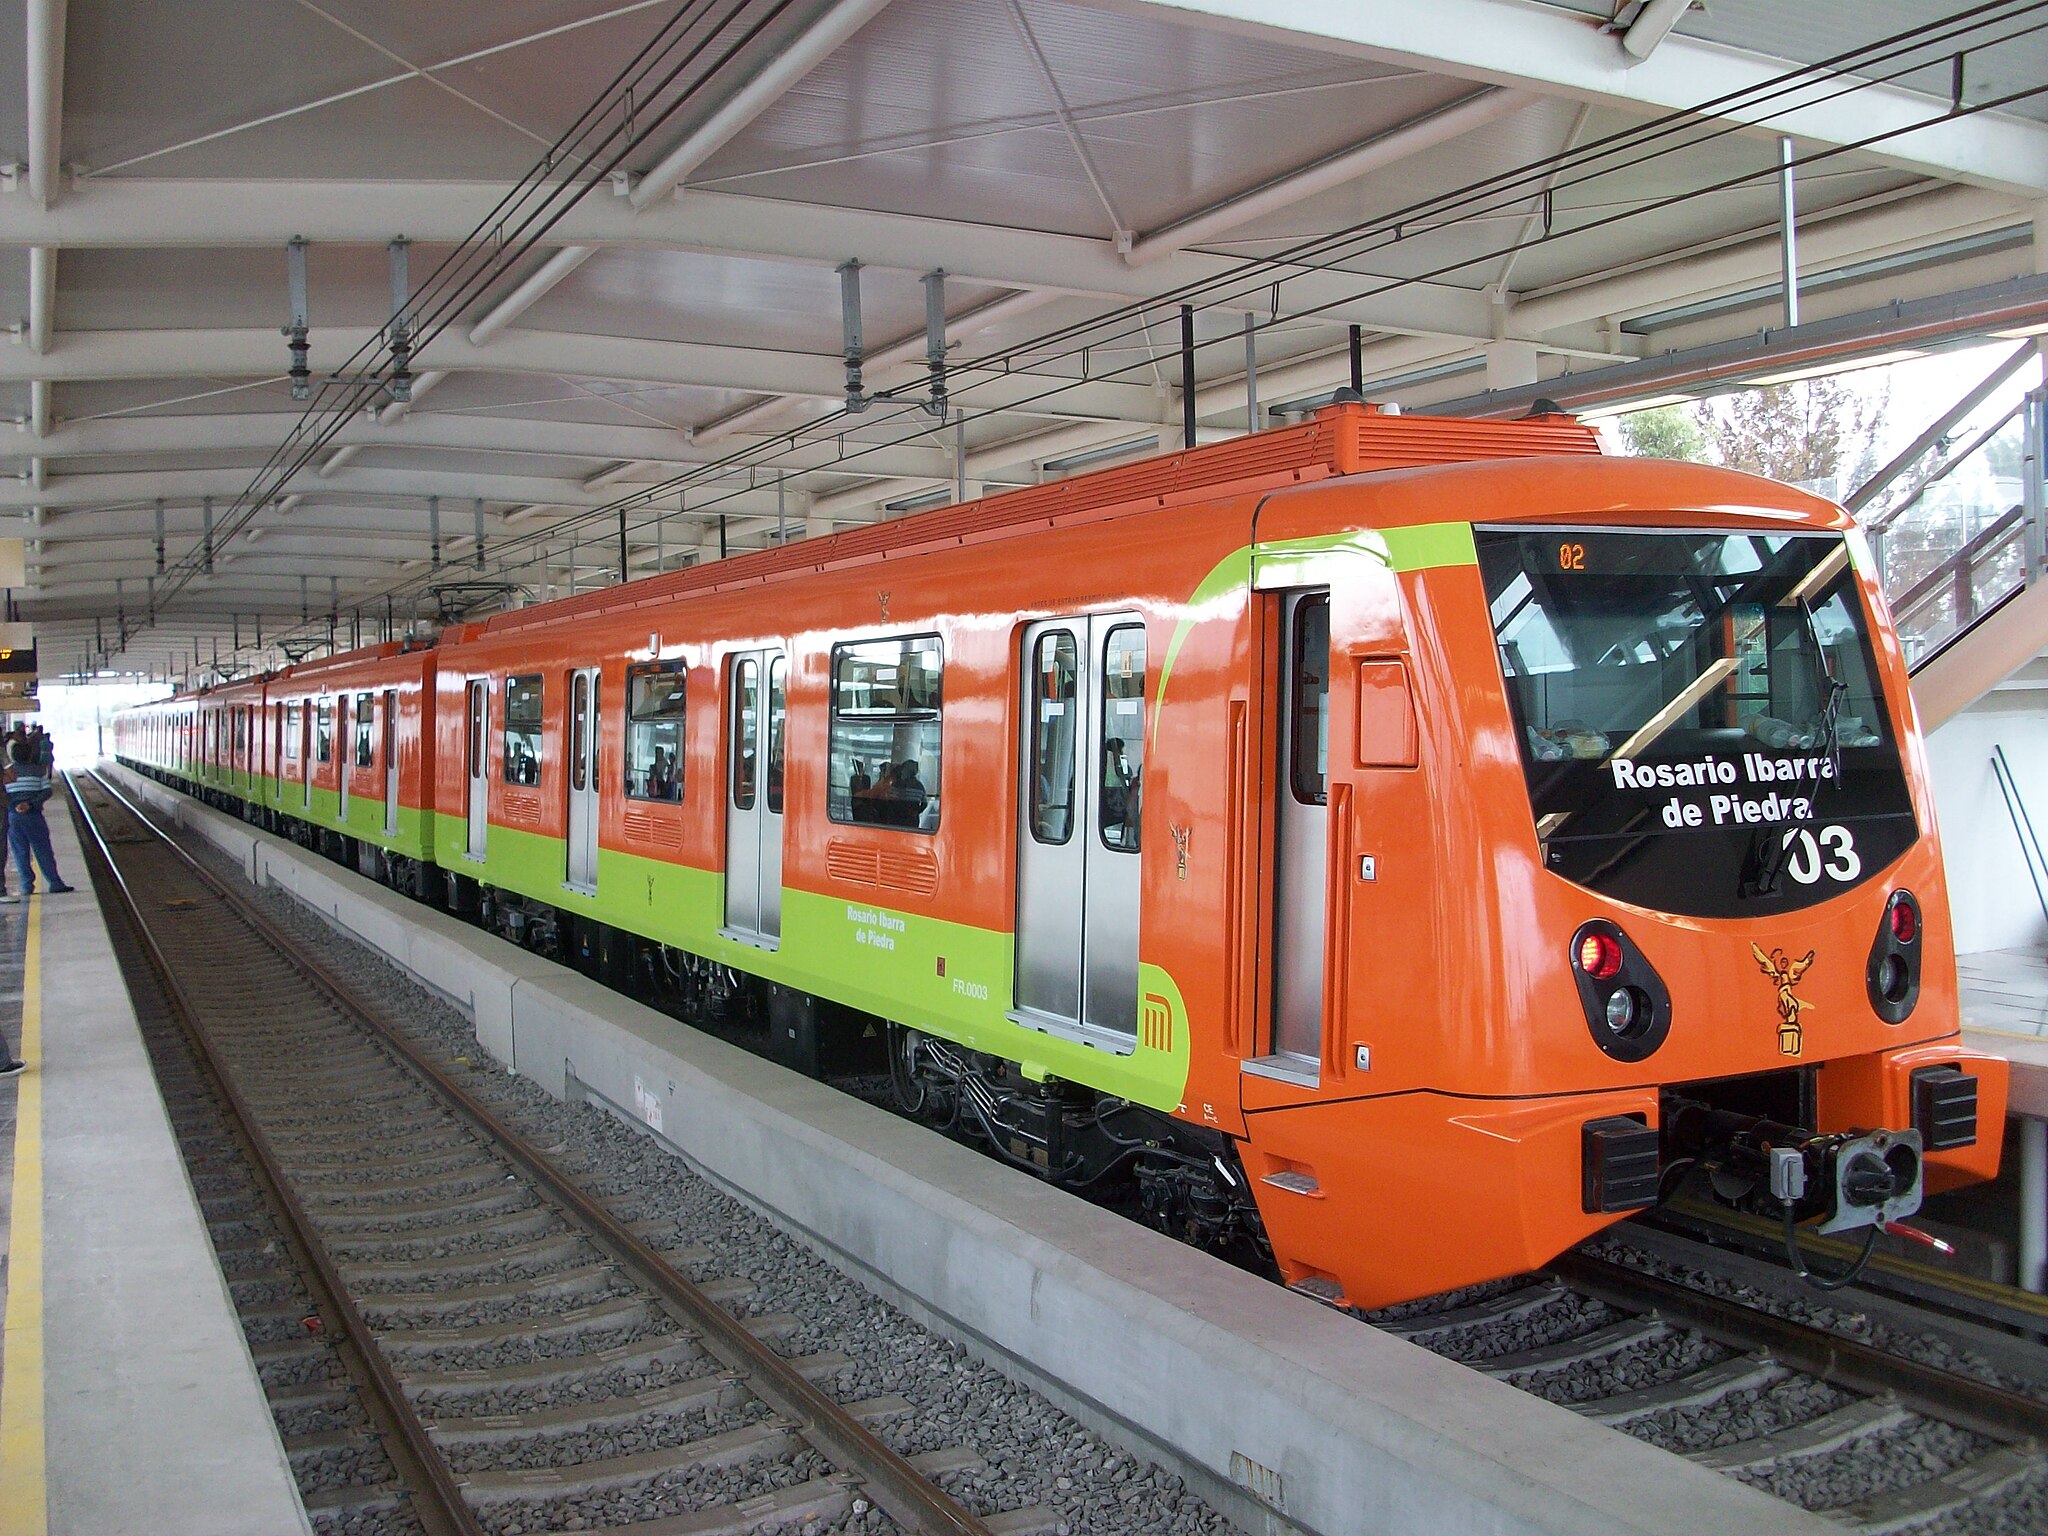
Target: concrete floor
(2005, 990)
(148, 1419)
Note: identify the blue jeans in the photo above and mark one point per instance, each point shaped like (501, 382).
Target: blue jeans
(28, 832)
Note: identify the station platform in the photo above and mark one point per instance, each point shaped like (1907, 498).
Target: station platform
(1288, 1416)
(2005, 1011)
(129, 1405)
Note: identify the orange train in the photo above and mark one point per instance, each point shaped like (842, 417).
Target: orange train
(1375, 817)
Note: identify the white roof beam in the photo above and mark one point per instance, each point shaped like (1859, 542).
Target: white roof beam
(789, 64)
(1397, 144)
(529, 293)
(1652, 25)
(42, 297)
(224, 485)
(1508, 42)
(45, 100)
(260, 431)
(202, 214)
(252, 353)
(794, 60)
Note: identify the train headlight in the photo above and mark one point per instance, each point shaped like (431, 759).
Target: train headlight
(1628, 1008)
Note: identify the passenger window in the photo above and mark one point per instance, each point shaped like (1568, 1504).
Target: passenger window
(323, 732)
(522, 730)
(365, 742)
(883, 763)
(746, 685)
(1123, 736)
(1310, 704)
(1054, 728)
(778, 710)
(655, 696)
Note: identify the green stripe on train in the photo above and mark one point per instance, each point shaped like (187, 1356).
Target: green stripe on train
(949, 979)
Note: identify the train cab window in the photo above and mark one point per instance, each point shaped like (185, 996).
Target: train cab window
(883, 767)
(366, 749)
(523, 729)
(1309, 701)
(1054, 732)
(323, 732)
(291, 732)
(655, 696)
(746, 688)
(1123, 737)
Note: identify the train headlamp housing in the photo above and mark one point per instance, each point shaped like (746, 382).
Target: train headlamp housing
(1892, 976)
(1628, 1007)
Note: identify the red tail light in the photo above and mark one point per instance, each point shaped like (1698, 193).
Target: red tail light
(1599, 956)
(1905, 922)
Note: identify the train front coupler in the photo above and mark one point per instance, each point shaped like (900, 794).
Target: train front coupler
(1840, 1181)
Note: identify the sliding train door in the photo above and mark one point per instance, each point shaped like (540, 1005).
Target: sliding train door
(478, 760)
(759, 687)
(390, 761)
(583, 779)
(1080, 766)
(1301, 829)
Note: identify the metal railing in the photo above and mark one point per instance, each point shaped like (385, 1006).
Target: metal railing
(1955, 522)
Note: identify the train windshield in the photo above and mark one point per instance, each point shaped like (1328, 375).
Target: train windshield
(1701, 720)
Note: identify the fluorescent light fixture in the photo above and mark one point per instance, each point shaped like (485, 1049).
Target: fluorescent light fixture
(1816, 370)
(1129, 448)
(919, 503)
(2022, 332)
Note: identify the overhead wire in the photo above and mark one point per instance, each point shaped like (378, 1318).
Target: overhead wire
(1908, 51)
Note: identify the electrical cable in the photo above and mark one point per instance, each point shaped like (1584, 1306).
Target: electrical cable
(1816, 1278)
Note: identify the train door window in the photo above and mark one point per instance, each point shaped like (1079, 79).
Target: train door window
(884, 756)
(746, 682)
(778, 710)
(323, 731)
(583, 779)
(291, 733)
(366, 742)
(523, 730)
(341, 750)
(655, 699)
(1055, 724)
(391, 761)
(479, 774)
(1309, 701)
(1123, 738)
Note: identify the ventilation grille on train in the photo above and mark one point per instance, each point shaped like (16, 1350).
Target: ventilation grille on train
(911, 871)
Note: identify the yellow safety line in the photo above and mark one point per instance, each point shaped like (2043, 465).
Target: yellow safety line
(24, 1487)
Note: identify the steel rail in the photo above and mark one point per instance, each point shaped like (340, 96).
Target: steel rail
(1964, 1401)
(902, 1492)
(436, 1492)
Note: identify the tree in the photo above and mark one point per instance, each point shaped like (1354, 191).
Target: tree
(1668, 432)
(1815, 432)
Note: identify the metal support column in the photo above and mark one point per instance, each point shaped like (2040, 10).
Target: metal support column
(1251, 374)
(2034, 489)
(2033, 1272)
(1788, 244)
(479, 510)
(1187, 375)
(434, 529)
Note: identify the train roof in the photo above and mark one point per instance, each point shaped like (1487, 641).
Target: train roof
(1344, 439)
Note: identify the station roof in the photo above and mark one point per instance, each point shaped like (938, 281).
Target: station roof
(1495, 193)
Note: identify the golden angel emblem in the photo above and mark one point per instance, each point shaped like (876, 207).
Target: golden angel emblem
(1784, 974)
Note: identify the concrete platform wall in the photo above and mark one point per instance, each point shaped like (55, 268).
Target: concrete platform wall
(1344, 1429)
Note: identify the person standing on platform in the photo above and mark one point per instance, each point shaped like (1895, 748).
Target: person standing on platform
(28, 834)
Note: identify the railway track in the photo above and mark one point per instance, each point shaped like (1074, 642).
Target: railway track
(1876, 1439)
(458, 1337)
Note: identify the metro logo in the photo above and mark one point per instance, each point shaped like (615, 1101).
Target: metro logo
(1155, 1022)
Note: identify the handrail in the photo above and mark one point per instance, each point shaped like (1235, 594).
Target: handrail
(1940, 471)
(1994, 534)
(1939, 428)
